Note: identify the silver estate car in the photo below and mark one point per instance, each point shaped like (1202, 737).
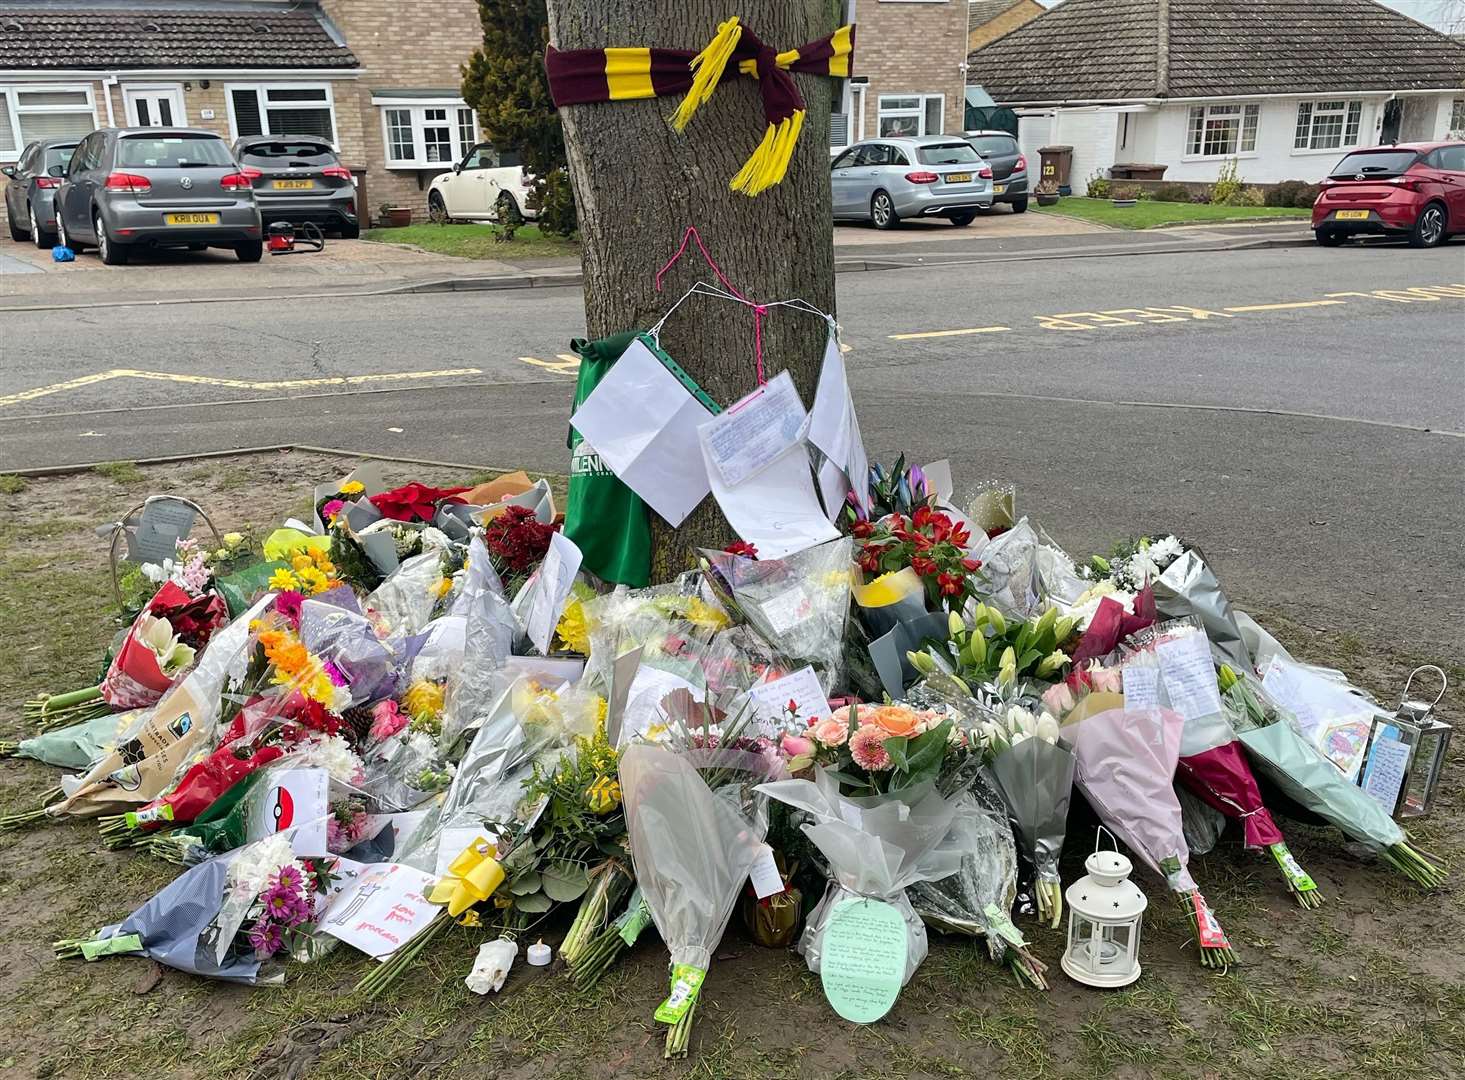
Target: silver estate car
(30, 196)
(885, 180)
(126, 188)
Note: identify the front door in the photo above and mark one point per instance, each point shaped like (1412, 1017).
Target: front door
(154, 106)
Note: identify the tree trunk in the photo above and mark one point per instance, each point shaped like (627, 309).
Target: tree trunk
(639, 183)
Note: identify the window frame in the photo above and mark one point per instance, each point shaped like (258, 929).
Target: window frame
(262, 102)
(1351, 112)
(1456, 129)
(1244, 111)
(918, 112)
(16, 111)
(417, 118)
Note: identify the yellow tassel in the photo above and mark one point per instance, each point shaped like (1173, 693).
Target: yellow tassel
(769, 163)
(707, 69)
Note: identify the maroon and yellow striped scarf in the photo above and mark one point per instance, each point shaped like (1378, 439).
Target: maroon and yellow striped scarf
(580, 76)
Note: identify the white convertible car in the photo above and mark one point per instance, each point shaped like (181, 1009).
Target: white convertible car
(480, 189)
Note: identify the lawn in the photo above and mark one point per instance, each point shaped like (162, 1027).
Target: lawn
(1371, 984)
(1148, 214)
(479, 242)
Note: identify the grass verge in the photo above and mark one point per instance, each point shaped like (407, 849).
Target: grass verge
(1148, 214)
(479, 242)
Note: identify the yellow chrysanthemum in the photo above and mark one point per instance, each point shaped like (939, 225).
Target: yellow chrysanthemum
(283, 581)
(352, 487)
(424, 699)
(313, 580)
(572, 628)
(443, 587)
(701, 613)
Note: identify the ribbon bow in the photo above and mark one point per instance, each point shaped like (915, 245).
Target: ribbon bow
(471, 878)
(580, 76)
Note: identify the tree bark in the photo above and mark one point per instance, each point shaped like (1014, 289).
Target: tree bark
(639, 183)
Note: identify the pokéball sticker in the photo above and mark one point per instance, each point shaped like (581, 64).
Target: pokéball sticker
(283, 811)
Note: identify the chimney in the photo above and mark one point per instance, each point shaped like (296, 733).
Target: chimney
(1162, 49)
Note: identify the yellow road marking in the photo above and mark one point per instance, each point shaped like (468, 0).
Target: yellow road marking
(951, 333)
(1286, 307)
(233, 384)
(566, 364)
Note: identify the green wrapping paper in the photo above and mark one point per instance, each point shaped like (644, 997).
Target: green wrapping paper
(77, 746)
(1315, 784)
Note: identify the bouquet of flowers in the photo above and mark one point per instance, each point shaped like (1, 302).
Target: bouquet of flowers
(1301, 771)
(996, 652)
(223, 918)
(696, 827)
(976, 898)
(900, 490)
(875, 749)
(1033, 772)
(1125, 766)
(929, 543)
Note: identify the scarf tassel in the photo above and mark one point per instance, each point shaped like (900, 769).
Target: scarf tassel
(769, 163)
(707, 67)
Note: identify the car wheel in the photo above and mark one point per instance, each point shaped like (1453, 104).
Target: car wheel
(249, 250)
(16, 232)
(39, 236)
(966, 217)
(437, 210)
(1020, 206)
(1330, 237)
(882, 211)
(1429, 228)
(112, 253)
(506, 210)
(352, 232)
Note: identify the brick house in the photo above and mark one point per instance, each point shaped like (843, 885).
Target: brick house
(909, 70)
(988, 20)
(335, 68)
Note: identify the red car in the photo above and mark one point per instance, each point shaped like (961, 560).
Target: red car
(1412, 189)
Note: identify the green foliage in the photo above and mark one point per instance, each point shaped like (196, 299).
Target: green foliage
(1250, 196)
(1099, 187)
(10, 484)
(1285, 193)
(120, 472)
(1226, 191)
(1170, 193)
(994, 649)
(506, 85)
(1306, 195)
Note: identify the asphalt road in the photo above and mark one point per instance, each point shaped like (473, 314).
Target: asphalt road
(1300, 413)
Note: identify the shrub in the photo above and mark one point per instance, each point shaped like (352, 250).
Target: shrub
(1099, 187)
(1170, 193)
(1228, 184)
(1306, 195)
(1285, 193)
(1251, 197)
(1201, 198)
(556, 202)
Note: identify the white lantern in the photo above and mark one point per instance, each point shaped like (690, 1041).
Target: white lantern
(1105, 909)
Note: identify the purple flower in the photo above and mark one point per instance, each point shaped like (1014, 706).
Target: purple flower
(335, 674)
(287, 604)
(289, 877)
(266, 938)
(281, 903)
(332, 508)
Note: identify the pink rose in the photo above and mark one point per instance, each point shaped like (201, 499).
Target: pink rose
(830, 732)
(796, 746)
(1058, 698)
(1107, 680)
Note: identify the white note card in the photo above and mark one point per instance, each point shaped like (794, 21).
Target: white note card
(1388, 765)
(764, 875)
(1141, 686)
(1190, 675)
(798, 694)
(749, 436)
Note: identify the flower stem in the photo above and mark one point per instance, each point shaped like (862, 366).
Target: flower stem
(678, 1033)
(385, 974)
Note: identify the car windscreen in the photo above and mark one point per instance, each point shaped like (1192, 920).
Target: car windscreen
(947, 154)
(1374, 163)
(173, 152)
(286, 152)
(988, 145)
(57, 155)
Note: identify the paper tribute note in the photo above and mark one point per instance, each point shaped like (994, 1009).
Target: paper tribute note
(764, 875)
(749, 436)
(297, 799)
(1141, 686)
(551, 590)
(164, 522)
(834, 430)
(382, 910)
(1386, 770)
(801, 690)
(1190, 675)
(862, 965)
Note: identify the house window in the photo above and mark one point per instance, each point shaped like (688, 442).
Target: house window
(1327, 125)
(291, 109)
(910, 115)
(33, 112)
(426, 135)
(1457, 120)
(1222, 130)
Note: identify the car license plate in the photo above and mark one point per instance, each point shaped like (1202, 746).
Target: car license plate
(191, 219)
(958, 178)
(998, 189)
(294, 185)
(1352, 215)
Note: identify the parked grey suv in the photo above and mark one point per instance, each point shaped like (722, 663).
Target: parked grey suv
(1009, 166)
(299, 178)
(127, 188)
(885, 180)
(30, 196)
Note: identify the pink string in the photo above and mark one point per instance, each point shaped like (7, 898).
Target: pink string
(759, 310)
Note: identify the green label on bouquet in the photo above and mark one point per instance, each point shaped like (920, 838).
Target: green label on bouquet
(125, 943)
(636, 919)
(1297, 877)
(1001, 925)
(686, 980)
(139, 818)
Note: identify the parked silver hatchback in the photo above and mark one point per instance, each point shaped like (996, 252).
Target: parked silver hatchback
(885, 180)
(127, 188)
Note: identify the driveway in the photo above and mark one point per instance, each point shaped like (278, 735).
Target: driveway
(999, 223)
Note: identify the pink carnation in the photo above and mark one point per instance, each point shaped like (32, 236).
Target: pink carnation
(387, 718)
(796, 746)
(867, 748)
